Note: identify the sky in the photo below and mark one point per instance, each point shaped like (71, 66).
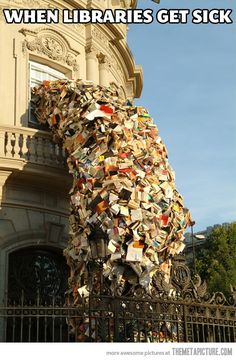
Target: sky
(190, 91)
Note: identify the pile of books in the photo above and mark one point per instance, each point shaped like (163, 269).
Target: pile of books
(125, 210)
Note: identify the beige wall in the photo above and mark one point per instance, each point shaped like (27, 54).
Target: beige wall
(93, 52)
(34, 183)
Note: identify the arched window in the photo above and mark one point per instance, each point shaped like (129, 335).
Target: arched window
(37, 281)
(37, 273)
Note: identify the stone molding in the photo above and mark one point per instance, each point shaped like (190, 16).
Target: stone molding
(100, 37)
(91, 49)
(116, 58)
(52, 44)
(11, 4)
(4, 175)
(101, 58)
(24, 3)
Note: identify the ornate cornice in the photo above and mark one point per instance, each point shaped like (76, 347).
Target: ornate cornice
(52, 44)
(129, 3)
(100, 37)
(27, 4)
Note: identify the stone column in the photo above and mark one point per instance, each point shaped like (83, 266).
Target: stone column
(92, 72)
(103, 72)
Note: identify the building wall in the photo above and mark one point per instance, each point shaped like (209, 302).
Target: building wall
(34, 182)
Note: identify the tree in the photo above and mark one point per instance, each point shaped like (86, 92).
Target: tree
(216, 261)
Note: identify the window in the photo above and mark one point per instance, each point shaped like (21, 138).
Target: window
(37, 73)
(37, 272)
(37, 281)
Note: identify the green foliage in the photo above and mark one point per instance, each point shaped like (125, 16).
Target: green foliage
(216, 261)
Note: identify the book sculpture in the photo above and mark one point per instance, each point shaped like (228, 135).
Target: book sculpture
(127, 218)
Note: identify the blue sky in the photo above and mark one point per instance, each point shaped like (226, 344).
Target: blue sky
(190, 91)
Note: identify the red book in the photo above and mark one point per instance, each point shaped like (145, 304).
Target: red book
(46, 83)
(123, 155)
(164, 219)
(106, 109)
(126, 170)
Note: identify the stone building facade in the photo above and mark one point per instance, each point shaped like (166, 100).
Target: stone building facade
(34, 182)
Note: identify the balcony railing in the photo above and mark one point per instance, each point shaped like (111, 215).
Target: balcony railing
(24, 145)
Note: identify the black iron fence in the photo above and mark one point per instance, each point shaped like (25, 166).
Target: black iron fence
(118, 319)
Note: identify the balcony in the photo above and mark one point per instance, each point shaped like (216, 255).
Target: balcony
(32, 151)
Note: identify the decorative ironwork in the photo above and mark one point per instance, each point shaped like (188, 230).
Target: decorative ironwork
(37, 272)
(181, 310)
(178, 311)
(180, 287)
(135, 320)
(102, 318)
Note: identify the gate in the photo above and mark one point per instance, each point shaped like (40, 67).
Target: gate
(118, 319)
(180, 311)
